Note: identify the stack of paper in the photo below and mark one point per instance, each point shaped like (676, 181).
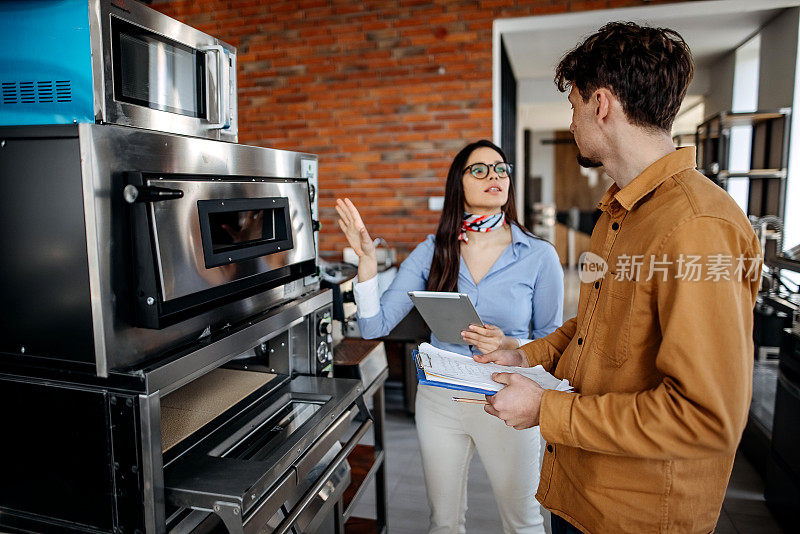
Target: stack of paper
(455, 371)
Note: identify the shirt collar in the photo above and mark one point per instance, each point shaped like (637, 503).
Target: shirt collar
(649, 179)
(518, 238)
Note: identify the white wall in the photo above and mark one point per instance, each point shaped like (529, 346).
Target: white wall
(778, 88)
(720, 90)
(745, 98)
(778, 60)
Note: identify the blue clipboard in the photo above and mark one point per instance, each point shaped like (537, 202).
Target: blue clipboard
(422, 380)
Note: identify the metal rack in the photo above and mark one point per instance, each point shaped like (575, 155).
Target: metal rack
(769, 156)
(365, 360)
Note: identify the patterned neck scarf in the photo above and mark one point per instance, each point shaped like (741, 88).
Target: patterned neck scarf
(480, 223)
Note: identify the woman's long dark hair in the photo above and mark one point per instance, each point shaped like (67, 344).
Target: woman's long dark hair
(447, 252)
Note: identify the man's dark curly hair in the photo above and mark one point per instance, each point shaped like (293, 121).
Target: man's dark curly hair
(647, 69)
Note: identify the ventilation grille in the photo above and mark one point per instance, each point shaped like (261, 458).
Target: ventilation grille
(43, 92)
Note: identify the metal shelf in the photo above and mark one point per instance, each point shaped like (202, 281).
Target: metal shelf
(754, 117)
(769, 154)
(366, 360)
(361, 525)
(364, 463)
(754, 174)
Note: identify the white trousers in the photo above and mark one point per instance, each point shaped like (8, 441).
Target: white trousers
(449, 432)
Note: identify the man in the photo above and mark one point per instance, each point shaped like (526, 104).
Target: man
(661, 353)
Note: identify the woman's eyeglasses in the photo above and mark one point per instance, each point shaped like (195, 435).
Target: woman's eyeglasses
(481, 170)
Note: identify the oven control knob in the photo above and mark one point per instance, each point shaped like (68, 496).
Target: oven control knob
(324, 327)
(323, 353)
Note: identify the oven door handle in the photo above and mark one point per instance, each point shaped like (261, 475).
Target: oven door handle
(223, 87)
(309, 495)
(142, 193)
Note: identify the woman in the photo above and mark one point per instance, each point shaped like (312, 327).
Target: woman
(515, 282)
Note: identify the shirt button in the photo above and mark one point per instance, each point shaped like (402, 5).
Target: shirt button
(597, 285)
(615, 226)
(580, 341)
(549, 448)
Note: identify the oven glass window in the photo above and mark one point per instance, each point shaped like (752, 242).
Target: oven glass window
(153, 71)
(231, 230)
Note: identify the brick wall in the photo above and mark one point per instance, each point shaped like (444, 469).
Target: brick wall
(385, 91)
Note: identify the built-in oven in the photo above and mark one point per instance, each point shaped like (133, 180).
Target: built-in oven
(115, 62)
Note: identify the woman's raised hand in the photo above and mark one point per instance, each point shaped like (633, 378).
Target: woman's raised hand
(357, 236)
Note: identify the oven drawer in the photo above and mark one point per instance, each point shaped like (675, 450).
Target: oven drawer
(284, 448)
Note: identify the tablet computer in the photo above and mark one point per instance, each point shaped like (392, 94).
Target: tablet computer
(447, 314)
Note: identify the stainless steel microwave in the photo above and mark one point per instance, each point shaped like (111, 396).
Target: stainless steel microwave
(115, 62)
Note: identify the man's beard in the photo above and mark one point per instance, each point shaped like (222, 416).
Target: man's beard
(588, 163)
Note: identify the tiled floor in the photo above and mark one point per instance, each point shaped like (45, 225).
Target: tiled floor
(743, 511)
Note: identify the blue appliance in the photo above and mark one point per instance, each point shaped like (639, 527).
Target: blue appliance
(45, 62)
(113, 62)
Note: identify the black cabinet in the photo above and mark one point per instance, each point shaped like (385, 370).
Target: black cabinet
(782, 484)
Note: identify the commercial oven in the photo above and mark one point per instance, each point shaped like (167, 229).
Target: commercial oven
(118, 277)
(165, 349)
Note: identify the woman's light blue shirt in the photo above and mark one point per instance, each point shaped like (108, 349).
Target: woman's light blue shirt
(523, 292)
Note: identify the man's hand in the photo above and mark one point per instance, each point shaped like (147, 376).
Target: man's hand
(511, 358)
(518, 403)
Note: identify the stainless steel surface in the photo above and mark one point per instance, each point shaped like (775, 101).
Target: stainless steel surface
(287, 523)
(169, 377)
(110, 110)
(323, 507)
(152, 467)
(176, 230)
(326, 440)
(205, 476)
(95, 256)
(373, 366)
(106, 152)
(300, 345)
(219, 88)
(267, 513)
(279, 494)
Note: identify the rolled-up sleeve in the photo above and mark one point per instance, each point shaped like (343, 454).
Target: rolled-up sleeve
(395, 302)
(699, 408)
